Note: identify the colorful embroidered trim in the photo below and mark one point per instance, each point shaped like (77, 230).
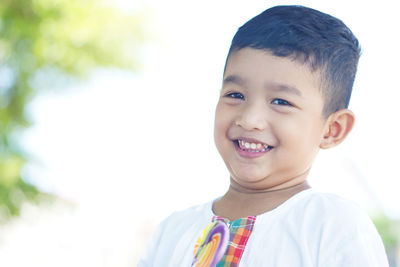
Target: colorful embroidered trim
(211, 245)
(239, 231)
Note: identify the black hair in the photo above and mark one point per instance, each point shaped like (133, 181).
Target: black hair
(319, 40)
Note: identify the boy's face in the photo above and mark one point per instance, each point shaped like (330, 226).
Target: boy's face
(268, 122)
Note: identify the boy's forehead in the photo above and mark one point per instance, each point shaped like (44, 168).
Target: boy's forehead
(251, 66)
(245, 54)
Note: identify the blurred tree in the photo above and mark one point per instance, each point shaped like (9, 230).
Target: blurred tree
(389, 231)
(44, 43)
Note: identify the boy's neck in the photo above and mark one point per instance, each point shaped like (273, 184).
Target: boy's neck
(237, 204)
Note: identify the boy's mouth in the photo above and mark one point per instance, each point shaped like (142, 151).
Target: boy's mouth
(254, 147)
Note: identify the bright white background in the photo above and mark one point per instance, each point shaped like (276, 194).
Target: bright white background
(125, 150)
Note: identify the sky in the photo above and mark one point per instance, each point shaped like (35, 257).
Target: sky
(129, 149)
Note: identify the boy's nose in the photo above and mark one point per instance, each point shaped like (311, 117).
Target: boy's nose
(252, 117)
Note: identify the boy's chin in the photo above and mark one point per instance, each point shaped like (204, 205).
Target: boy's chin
(252, 182)
(263, 183)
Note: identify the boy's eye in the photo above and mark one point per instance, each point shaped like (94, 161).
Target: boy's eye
(235, 95)
(281, 102)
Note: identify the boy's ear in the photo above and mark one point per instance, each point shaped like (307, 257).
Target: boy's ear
(337, 127)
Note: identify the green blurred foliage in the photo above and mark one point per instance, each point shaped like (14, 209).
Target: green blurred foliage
(44, 43)
(389, 230)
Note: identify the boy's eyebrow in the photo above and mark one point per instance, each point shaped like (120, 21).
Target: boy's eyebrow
(234, 79)
(286, 88)
(278, 87)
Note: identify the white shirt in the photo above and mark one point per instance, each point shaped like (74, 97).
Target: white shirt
(309, 229)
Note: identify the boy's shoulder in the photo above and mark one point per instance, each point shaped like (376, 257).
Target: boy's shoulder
(343, 230)
(330, 214)
(329, 206)
(328, 202)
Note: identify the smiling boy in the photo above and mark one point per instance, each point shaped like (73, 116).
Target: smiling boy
(269, 125)
(286, 87)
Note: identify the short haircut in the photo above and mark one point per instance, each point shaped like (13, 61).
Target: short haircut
(314, 38)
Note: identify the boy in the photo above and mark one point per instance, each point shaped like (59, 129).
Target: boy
(286, 87)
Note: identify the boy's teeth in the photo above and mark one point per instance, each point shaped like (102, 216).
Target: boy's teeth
(248, 145)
